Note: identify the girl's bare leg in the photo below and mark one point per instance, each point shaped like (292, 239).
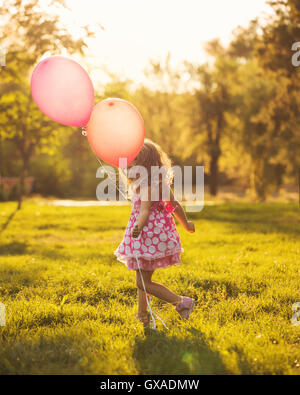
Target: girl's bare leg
(142, 303)
(156, 289)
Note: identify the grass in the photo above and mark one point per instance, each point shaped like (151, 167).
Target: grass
(70, 306)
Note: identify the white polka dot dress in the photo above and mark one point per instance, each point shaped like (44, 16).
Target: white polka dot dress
(158, 245)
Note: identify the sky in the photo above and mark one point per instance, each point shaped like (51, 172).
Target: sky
(136, 30)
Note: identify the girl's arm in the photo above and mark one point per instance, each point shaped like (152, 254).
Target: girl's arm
(180, 214)
(143, 217)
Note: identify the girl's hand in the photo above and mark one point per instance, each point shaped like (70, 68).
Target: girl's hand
(135, 231)
(190, 227)
(83, 130)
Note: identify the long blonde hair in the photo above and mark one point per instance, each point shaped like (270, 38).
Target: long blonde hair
(151, 154)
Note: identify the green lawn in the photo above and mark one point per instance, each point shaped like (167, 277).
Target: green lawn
(70, 306)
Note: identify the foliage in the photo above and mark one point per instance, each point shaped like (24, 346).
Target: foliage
(238, 114)
(214, 101)
(28, 34)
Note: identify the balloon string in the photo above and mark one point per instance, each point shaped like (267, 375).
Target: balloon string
(108, 175)
(84, 133)
(152, 313)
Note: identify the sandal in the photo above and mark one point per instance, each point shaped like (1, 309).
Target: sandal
(185, 307)
(144, 319)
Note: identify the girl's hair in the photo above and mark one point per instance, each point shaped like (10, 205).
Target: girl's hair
(151, 154)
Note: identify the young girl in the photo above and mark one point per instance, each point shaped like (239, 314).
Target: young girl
(151, 239)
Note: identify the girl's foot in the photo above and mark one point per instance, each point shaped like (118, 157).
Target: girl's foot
(144, 319)
(185, 307)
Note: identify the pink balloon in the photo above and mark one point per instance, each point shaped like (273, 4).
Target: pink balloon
(63, 91)
(116, 130)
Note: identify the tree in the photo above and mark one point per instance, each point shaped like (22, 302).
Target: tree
(274, 53)
(213, 102)
(28, 34)
(26, 127)
(268, 87)
(259, 131)
(163, 107)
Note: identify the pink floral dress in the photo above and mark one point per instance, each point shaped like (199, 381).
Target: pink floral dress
(158, 245)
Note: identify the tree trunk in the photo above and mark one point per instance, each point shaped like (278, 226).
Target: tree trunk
(22, 183)
(214, 173)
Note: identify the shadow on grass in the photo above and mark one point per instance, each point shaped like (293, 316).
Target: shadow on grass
(9, 219)
(56, 254)
(232, 290)
(159, 353)
(14, 280)
(13, 248)
(65, 225)
(254, 218)
(53, 254)
(53, 355)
